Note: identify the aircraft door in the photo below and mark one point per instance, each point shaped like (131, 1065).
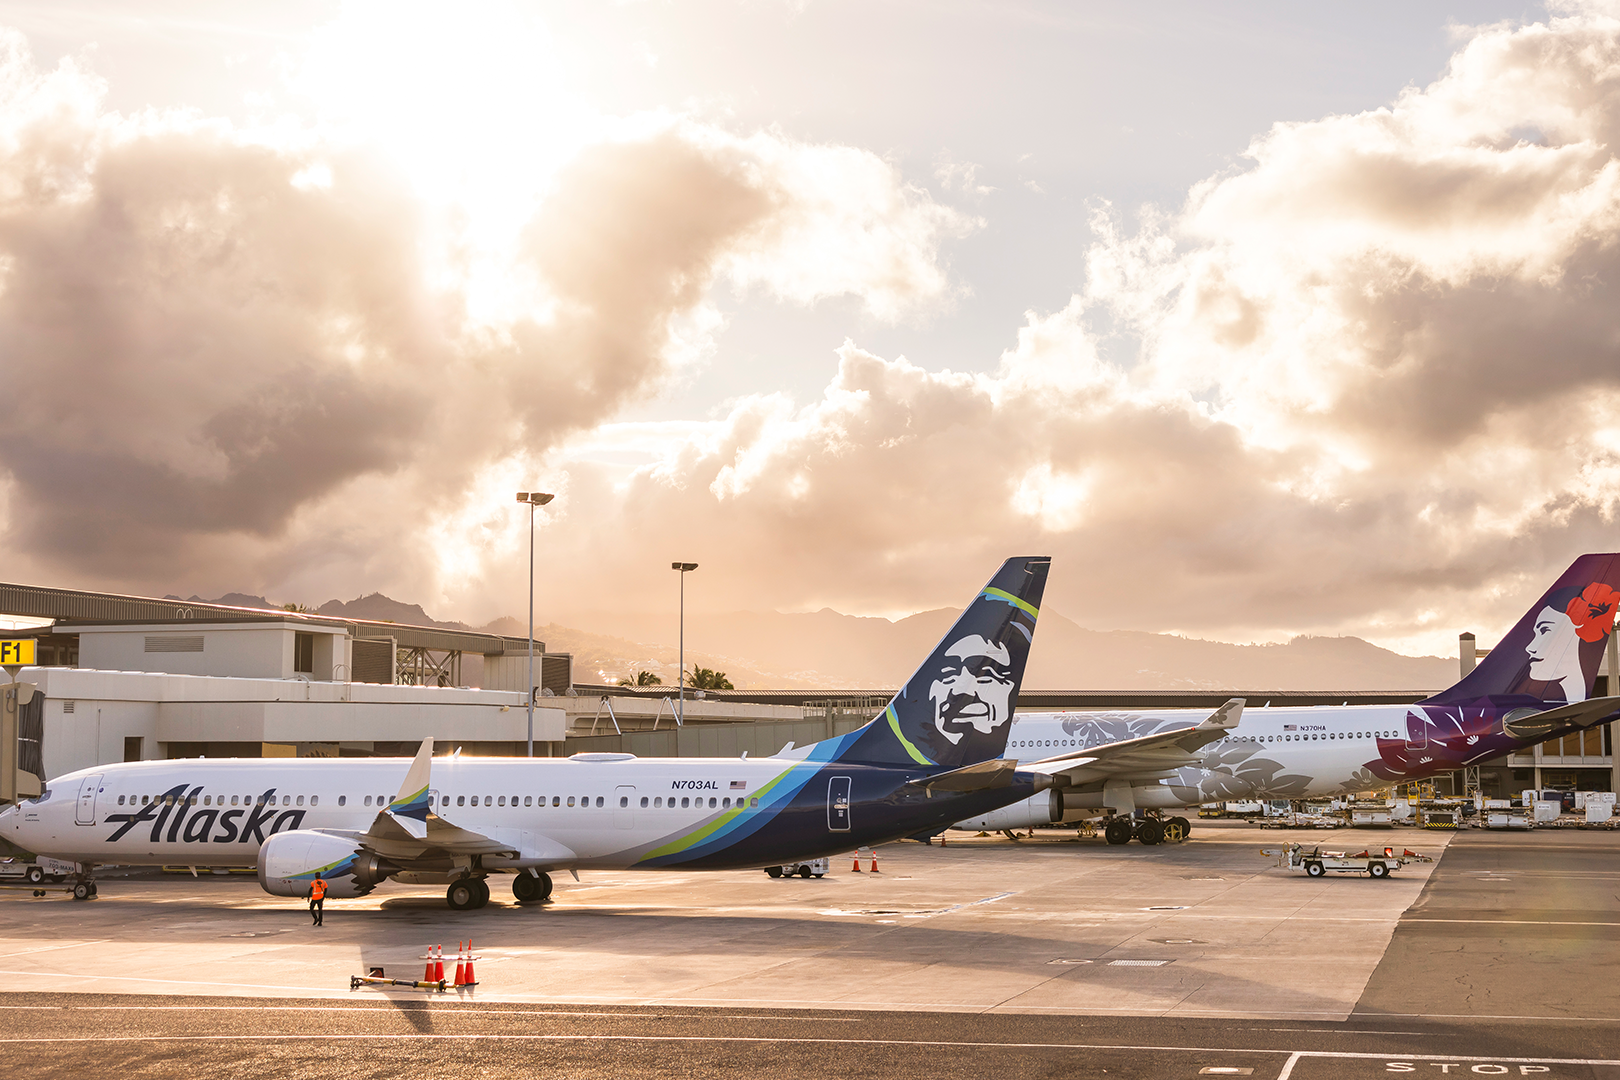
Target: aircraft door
(88, 787)
(838, 804)
(1417, 730)
(624, 808)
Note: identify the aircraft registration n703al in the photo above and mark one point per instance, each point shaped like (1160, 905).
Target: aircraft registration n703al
(1536, 685)
(933, 756)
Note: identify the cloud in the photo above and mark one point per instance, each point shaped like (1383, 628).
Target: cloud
(1369, 380)
(231, 353)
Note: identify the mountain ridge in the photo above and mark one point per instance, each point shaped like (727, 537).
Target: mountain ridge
(829, 650)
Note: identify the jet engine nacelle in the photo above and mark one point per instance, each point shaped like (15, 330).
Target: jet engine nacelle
(289, 861)
(1042, 809)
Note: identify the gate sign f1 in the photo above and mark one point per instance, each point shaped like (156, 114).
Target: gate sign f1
(19, 653)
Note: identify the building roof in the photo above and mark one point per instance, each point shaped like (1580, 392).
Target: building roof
(1049, 700)
(72, 607)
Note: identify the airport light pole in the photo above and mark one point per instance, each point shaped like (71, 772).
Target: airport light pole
(534, 499)
(685, 568)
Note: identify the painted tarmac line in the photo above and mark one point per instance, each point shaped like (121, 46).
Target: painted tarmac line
(55, 948)
(460, 1008)
(1348, 1055)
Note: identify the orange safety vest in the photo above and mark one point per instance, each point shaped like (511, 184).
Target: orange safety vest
(317, 889)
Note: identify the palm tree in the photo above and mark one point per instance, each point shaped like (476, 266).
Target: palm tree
(643, 678)
(703, 678)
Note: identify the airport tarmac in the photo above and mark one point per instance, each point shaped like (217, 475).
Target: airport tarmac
(1050, 956)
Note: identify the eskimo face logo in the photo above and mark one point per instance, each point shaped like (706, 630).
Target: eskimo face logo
(972, 691)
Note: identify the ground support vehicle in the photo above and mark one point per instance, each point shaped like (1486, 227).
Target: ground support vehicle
(1318, 863)
(813, 868)
(36, 871)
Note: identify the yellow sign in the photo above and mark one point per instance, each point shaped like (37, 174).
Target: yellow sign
(19, 653)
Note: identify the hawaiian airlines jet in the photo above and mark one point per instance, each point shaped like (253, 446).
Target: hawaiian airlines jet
(1536, 685)
(932, 757)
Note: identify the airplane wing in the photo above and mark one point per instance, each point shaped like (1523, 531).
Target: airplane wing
(411, 828)
(1150, 757)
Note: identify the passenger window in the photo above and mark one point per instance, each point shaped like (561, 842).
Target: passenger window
(684, 802)
(300, 800)
(725, 804)
(556, 800)
(314, 800)
(368, 800)
(570, 800)
(120, 800)
(644, 802)
(527, 799)
(752, 803)
(514, 800)
(461, 800)
(658, 803)
(205, 800)
(712, 802)
(503, 800)
(144, 799)
(624, 800)
(343, 800)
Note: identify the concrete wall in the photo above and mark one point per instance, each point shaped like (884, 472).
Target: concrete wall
(248, 651)
(163, 709)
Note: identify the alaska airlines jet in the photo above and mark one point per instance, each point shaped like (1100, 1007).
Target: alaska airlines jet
(933, 756)
(1536, 685)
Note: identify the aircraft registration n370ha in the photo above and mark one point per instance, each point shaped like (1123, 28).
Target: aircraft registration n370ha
(1536, 685)
(933, 756)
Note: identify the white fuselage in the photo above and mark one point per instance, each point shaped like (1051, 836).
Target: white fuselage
(1318, 750)
(563, 812)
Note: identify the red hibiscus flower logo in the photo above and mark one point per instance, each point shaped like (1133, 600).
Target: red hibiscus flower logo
(1592, 612)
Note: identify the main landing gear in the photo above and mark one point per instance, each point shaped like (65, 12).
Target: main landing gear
(530, 888)
(467, 894)
(1148, 830)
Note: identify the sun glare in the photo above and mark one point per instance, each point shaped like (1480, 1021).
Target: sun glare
(473, 104)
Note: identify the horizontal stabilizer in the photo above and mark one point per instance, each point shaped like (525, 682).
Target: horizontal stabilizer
(980, 776)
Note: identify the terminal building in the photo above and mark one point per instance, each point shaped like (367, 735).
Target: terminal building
(127, 678)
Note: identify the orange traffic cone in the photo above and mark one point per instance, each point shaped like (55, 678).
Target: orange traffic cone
(874, 861)
(471, 979)
(461, 967)
(857, 867)
(427, 973)
(1389, 853)
(438, 963)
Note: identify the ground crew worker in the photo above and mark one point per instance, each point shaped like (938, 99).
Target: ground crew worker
(317, 899)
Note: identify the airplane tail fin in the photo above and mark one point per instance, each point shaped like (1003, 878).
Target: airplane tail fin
(957, 708)
(1552, 653)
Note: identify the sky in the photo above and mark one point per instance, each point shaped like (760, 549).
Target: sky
(1261, 319)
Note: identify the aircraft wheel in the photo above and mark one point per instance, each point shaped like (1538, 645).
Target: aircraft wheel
(1150, 832)
(1315, 869)
(545, 885)
(1173, 833)
(462, 895)
(1118, 831)
(35, 875)
(774, 871)
(1186, 826)
(1378, 870)
(81, 891)
(483, 893)
(525, 888)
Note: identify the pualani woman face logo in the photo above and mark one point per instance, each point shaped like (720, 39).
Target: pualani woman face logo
(1569, 618)
(972, 691)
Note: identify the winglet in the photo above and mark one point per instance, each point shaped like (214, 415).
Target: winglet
(1226, 717)
(411, 806)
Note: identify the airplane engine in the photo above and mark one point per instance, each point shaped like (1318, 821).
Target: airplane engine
(1042, 809)
(289, 861)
